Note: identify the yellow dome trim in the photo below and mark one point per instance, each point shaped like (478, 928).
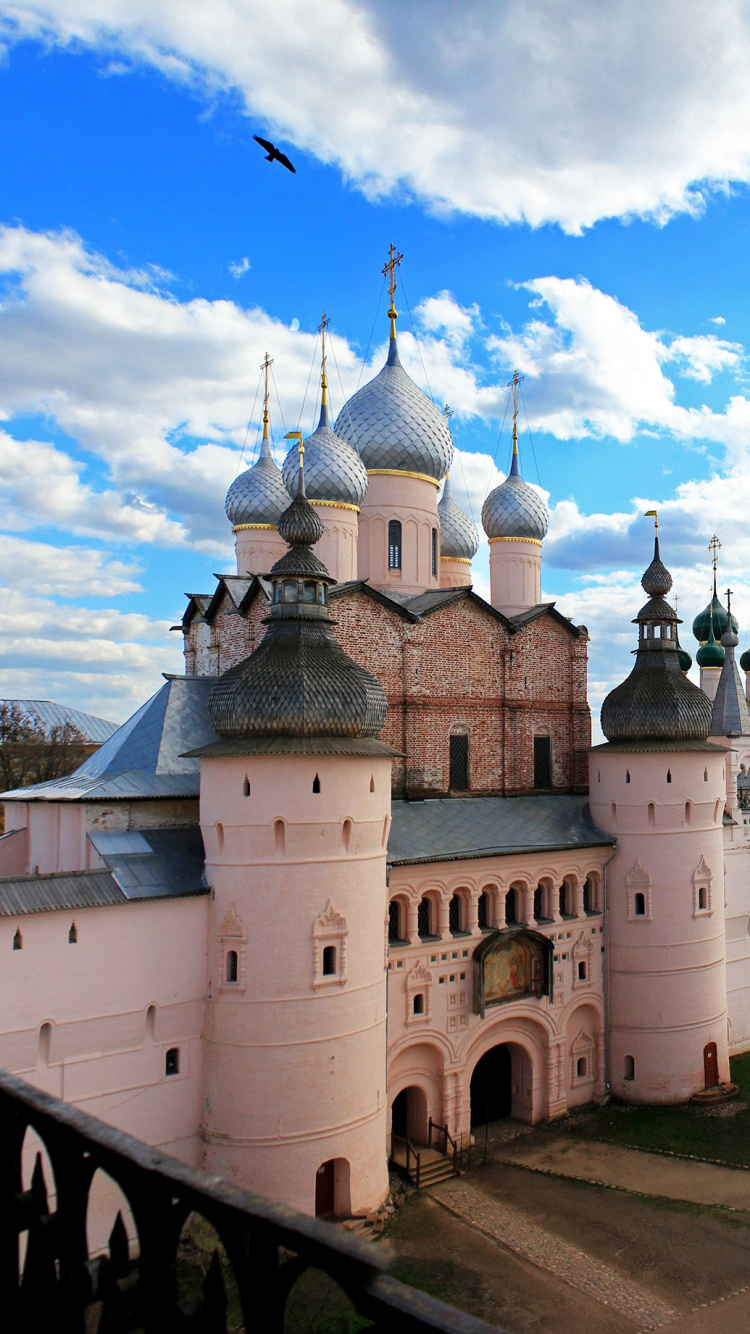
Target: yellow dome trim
(458, 560)
(532, 541)
(242, 527)
(336, 504)
(401, 472)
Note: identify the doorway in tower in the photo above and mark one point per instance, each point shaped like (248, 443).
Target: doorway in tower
(409, 1115)
(491, 1086)
(710, 1066)
(332, 1190)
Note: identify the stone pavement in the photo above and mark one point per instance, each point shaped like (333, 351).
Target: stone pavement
(630, 1169)
(550, 1253)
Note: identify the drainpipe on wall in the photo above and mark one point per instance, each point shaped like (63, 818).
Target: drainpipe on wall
(606, 967)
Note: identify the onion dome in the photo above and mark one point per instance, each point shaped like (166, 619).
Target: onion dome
(299, 682)
(745, 660)
(258, 496)
(333, 470)
(394, 426)
(656, 702)
(459, 538)
(716, 613)
(710, 654)
(514, 509)
(686, 661)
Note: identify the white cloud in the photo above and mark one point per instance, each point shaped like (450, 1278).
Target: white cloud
(530, 110)
(239, 266)
(717, 319)
(67, 572)
(703, 356)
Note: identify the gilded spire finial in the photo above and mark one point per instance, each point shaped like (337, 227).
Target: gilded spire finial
(389, 269)
(514, 383)
(714, 547)
(324, 323)
(652, 514)
(266, 365)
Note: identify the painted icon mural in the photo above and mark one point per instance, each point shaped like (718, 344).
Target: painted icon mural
(509, 965)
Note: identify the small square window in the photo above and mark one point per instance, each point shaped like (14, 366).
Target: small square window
(465, 954)
(453, 977)
(172, 1061)
(462, 977)
(454, 955)
(442, 979)
(433, 958)
(443, 957)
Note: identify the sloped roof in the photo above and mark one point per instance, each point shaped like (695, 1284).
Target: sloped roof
(453, 829)
(49, 714)
(146, 757)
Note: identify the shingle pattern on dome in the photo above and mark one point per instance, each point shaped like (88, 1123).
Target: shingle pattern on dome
(299, 525)
(514, 509)
(459, 538)
(333, 470)
(713, 612)
(392, 424)
(656, 702)
(258, 495)
(656, 580)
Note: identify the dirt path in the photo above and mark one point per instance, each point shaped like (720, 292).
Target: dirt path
(629, 1169)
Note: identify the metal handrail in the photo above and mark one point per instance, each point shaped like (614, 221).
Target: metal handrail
(266, 1245)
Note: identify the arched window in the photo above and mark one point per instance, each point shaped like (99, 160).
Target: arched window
(394, 545)
(424, 918)
(418, 1005)
(563, 893)
(483, 911)
(434, 553)
(346, 835)
(539, 912)
(639, 905)
(651, 814)
(394, 920)
(628, 1068)
(220, 836)
(73, 934)
(45, 1041)
(511, 915)
(688, 812)
(329, 960)
(316, 783)
(279, 836)
(231, 973)
(18, 940)
(705, 775)
(613, 812)
(459, 762)
(455, 914)
(702, 897)
(372, 782)
(246, 787)
(581, 1067)
(151, 1021)
(582, 971)
(172, 1061)
(542, 761)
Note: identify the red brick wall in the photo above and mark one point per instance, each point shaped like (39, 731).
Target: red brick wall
(458, 669)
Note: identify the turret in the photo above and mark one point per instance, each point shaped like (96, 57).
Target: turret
(255, 501)
(295, 812)
(459, 541)
(658, 786)
(515, 519)
(405, 445)
(708, 628)
(335, 483)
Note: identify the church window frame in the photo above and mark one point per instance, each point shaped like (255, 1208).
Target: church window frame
(638, 888)
(434, 553)
(330, 931)
(702, 890)
(583, 1049)
(232, 939)
(395, 544)
(419, 982)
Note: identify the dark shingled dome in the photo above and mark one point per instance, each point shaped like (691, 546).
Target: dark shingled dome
(656, 702)
(299, 682)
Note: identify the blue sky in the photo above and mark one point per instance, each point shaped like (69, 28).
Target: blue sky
(570, 195)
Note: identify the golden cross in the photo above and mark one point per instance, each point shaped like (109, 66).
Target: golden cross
(447, 412)
(714, 547)
(517, 379)
(392, 263)
(729, 609)
(266, 365)
(324, 323)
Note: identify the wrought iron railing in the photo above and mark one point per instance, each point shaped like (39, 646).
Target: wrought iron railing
(265, 1248)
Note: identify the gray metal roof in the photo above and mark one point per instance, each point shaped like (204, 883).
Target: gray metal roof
(514, 509)
(146, 757)
(258, 495)
(298, 745)
(459, 828)
(51, 893)
(333, 470)
(394, 425)
(730, 715)
(458, 533)
(49, 714)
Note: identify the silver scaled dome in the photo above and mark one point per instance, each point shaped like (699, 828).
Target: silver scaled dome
(514, 509)
(393, 425)
(258, 496)
(459, 538)
(333, 470)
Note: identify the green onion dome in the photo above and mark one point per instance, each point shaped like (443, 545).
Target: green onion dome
(714, 611)
(685, 660)
(710, 654)
(745, 660)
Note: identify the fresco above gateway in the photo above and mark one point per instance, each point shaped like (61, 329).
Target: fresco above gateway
(508, 965)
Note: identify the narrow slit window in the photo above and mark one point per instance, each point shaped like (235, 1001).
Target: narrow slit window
(372, 782)
(418, 1005)
(73, 934)
(18, 940)
(246, 788)
(434, 553)
(172, 1061)
(629, 1068)
(511, 915)
(329, 961)
(581, 1067)
(459, 762)
(483, 911)
(639, 905)
(316, 784)
(582, 971)
(423, 918)
(669, 775)
(454, 915)
(394, 545)
(231, 973)
(702, 898)
(627, 775)
(394, 921)
(651, 815)
(542, 761)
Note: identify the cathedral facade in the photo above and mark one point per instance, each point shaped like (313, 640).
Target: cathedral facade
(358, 874)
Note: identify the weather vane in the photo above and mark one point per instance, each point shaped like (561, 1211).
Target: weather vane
(652, 514)
(389, 270)
(514, 383)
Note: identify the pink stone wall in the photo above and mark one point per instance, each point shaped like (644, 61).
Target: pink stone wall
(413, 501)
(257, 548)
(515, 575)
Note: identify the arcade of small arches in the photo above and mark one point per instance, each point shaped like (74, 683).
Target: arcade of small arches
(437, 913)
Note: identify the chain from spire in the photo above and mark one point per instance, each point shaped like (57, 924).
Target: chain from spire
(389, 270)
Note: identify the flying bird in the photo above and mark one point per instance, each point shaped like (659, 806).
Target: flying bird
(273, 154)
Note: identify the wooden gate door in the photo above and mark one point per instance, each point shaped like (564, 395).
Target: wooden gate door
(710, 1065)
(324, 1194)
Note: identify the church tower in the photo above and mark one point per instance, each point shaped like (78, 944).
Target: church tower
(406, 447)
(659, 787)
(295, 813)
(335, 484)
(255, 501)
(459, 541)
(515, 519)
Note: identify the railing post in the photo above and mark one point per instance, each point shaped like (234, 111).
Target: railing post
(418, 1157)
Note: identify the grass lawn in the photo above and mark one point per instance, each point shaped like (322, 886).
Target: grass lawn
(686, 1129)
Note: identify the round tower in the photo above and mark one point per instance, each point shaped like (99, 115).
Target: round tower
(335, 484)
(406, 447)
(295, 812)
(658, 786)
(459, 541)
(255, 501)
(710, 659)
(708, 628)
(515, 519)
